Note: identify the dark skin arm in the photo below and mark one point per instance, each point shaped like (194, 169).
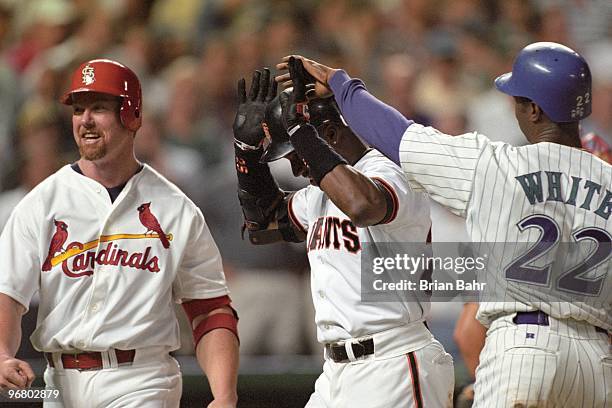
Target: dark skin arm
(356, 195)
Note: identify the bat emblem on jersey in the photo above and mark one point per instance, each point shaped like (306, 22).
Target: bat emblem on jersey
(57, 243)
(150, 222)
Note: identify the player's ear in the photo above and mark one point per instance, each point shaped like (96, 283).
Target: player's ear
(535, 112)
(331, 134)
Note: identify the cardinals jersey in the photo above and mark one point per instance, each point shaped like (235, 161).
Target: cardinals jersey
(334, 247)
(543, 193)
(108, 272)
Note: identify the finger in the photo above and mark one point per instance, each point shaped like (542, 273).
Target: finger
(254, 85)
(26, 370)
(287, 84)
(296, 69)
(311, 92)
(273, 90)
(241, 90)
(287, 57)
(282, 78)
(264, 83)
(15, 379)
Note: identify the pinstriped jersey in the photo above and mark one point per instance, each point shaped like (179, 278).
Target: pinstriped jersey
(545, 193)
(334, 251)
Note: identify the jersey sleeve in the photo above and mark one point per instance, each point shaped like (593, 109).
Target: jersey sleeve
(296, 207)
(406, 204)
(20, 262)
(200, 274)
(443, 166)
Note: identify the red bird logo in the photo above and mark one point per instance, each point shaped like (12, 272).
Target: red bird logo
(150, 221)
(57, 243)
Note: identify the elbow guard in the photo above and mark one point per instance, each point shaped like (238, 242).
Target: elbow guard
(198, 307)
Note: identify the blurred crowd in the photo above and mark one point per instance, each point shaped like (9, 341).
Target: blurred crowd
(434, 60)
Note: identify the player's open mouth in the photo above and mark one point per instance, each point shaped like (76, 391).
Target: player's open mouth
(90, 137)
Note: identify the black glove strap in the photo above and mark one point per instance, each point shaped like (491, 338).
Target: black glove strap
(318, 155)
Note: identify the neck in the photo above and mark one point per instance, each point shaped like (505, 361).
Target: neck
(107, 174)
(564, 134)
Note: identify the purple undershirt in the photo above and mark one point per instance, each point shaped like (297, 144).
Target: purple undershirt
(377, 123)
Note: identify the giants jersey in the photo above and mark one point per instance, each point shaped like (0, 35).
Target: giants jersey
(334, 251)
(543, 193)
(107, 272)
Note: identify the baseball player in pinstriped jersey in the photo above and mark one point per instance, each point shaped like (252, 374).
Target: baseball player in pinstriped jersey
(377, 354)
(538, 352)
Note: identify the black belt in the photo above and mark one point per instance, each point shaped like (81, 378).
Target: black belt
(541, 319)
(337, 351)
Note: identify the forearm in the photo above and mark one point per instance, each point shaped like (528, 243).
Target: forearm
(379, 124)
(470, 337)
(10, 326)
(217, 354)
(355, 194)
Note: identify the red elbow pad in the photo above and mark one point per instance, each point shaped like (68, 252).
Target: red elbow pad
(216, 321)
(198, 307)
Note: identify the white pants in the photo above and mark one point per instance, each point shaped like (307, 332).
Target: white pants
(396, 375)
(150, 381)
(566, 364)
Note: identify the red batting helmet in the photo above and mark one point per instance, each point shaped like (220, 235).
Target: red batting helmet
(109, 77)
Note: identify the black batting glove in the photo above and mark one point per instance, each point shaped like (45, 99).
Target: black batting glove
(294, 107)
(248, 133)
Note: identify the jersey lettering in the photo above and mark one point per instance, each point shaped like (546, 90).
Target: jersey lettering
(532, 185)
(326, 234)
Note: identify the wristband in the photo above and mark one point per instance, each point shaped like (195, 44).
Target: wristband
(318, 155)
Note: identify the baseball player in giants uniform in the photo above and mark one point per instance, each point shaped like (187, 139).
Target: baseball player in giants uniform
(540, 350)
(377, 354)
(110, 244)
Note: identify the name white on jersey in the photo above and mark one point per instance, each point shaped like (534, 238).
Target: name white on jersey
(512, 194)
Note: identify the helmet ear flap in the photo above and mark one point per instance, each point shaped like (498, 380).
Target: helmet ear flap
(129, 114)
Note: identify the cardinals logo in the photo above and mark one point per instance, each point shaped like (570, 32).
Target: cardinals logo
(88, 75)
(57, 243)
(150, 222)
(79, 259)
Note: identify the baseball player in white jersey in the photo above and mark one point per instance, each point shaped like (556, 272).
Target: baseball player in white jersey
(542, 348)
(110, 244)
(377, 354)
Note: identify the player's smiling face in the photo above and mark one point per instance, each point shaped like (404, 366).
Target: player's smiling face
(96, 125)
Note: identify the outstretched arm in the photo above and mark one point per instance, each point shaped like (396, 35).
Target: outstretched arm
(379, 124)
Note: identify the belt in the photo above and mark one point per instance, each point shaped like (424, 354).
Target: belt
(541, 319)
(337, 351)
(90, 361)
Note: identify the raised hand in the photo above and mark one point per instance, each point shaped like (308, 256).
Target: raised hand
(248, 133)
(293, 103)
(316, 73)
